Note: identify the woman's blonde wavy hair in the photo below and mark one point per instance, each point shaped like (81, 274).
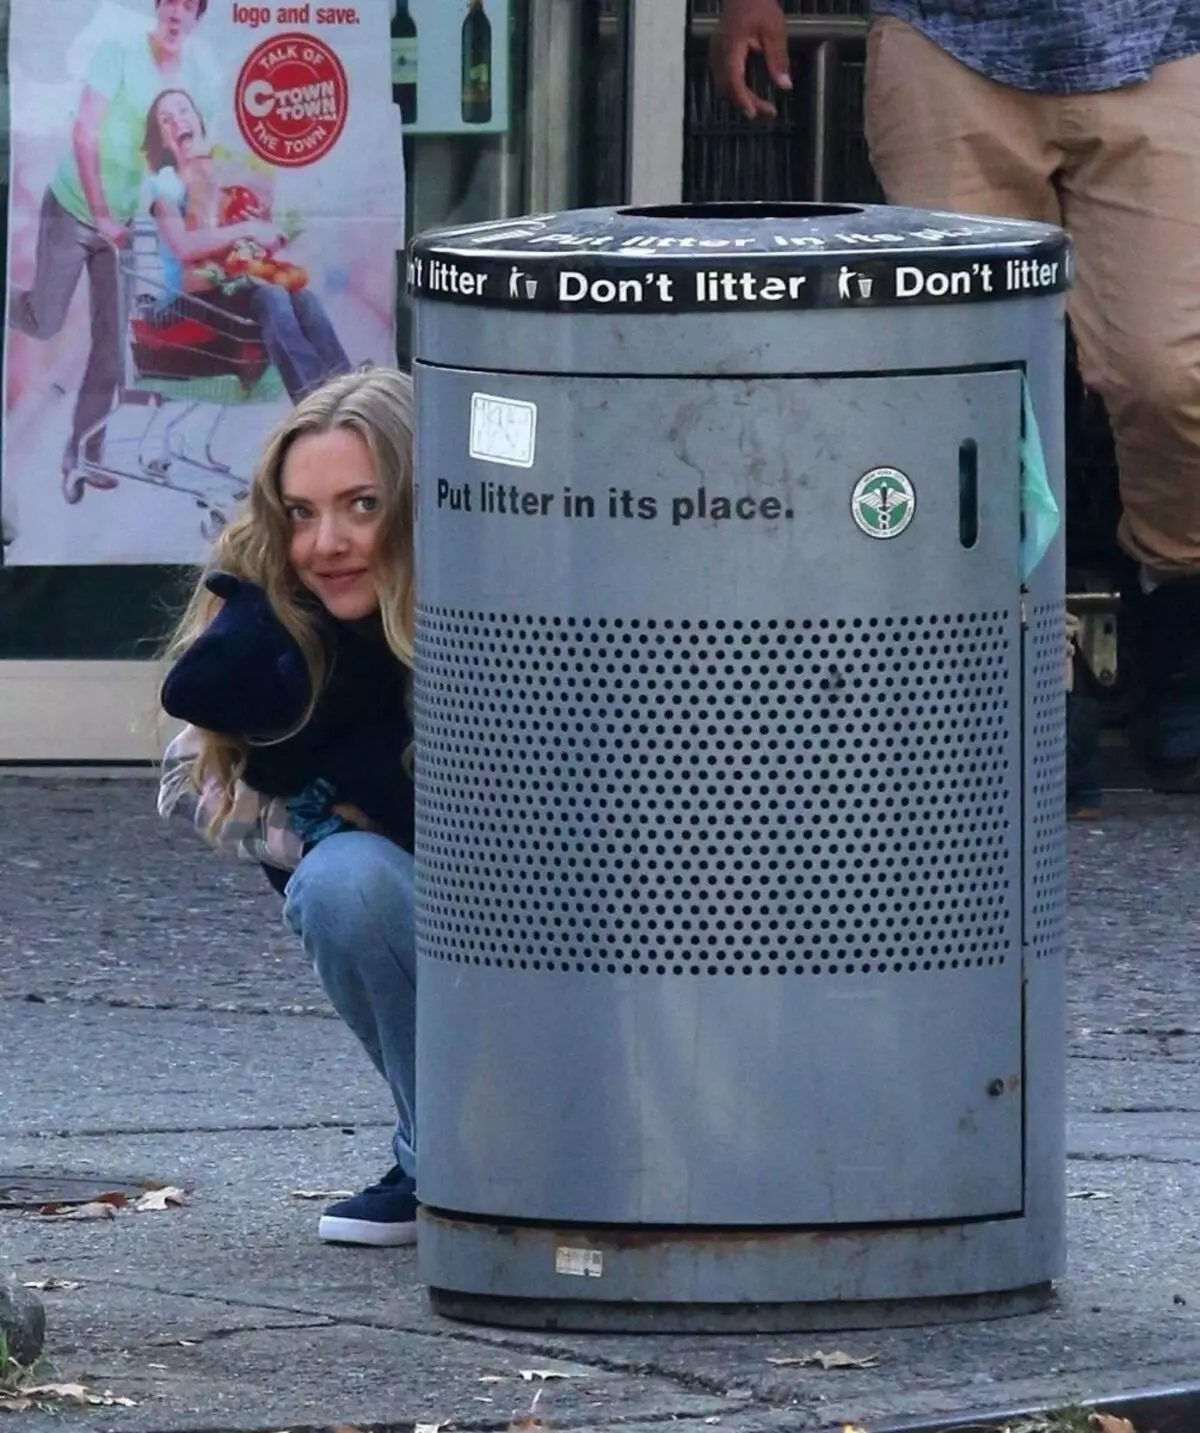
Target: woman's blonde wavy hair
(377, 404)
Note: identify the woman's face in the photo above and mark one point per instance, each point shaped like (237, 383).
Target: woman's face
(181, 127)
(331, 493)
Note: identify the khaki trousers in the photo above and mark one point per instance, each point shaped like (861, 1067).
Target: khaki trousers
(1121, 171)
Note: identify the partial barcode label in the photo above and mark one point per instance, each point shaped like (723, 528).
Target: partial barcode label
(585, 1263)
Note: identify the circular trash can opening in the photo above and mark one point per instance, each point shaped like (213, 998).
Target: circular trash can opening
(730, 209)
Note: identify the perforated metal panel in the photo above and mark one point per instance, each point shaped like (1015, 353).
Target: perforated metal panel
(655, 796)
(1046, 884)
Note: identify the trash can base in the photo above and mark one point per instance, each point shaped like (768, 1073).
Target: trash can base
(676, 1279)
(584, 1316)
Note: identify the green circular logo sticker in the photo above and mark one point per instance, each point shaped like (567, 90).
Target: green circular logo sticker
(883, 502)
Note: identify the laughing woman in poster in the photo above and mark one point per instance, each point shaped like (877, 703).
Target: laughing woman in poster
(91, 202)
(195, 246)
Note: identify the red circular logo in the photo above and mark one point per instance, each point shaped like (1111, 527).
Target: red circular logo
(292, 99)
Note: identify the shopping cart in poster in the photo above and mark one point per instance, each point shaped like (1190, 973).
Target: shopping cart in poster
(186, 364)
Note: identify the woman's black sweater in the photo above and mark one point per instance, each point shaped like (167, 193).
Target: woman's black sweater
(356, 738)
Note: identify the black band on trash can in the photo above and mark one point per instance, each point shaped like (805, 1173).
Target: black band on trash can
(616, 262)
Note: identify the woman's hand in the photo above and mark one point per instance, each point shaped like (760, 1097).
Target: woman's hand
(354, 817)
(313, 815)
(264, 233)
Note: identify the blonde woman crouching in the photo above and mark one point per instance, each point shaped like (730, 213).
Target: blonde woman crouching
(292, 667)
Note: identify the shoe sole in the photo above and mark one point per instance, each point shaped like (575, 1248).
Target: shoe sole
(332, 1230)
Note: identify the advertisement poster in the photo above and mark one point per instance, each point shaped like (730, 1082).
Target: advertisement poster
(206, 200)
(450, 65)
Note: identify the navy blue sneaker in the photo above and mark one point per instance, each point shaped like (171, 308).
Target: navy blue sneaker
(383, 1215)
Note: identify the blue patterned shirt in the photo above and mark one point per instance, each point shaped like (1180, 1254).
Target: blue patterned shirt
(1057, 46)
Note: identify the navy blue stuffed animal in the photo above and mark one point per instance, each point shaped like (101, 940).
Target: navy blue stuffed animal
(245, 675)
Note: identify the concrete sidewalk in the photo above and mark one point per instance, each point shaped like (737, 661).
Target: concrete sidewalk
(157, 1022)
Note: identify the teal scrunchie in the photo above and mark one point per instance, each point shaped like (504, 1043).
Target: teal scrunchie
(311, 815)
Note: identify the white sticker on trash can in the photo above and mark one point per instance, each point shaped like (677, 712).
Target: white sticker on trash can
(503, 430)
(586, 1263)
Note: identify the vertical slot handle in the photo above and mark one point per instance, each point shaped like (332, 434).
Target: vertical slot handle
(968, 493)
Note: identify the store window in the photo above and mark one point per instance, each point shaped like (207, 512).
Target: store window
(511, 105)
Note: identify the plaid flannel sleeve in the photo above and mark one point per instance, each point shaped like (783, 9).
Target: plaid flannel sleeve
(255, 828)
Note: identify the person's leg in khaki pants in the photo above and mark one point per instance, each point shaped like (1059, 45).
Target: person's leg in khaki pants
(1122, 170)
(943, 137)
(1131, 196)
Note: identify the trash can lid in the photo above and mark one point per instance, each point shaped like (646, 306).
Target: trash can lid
(713, 257)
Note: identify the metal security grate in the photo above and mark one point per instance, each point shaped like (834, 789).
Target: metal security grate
(671, 796)
(814, 148)
(1047, 893)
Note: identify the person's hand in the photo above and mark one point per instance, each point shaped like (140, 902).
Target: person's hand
(265, 234)
(747, 25)
(355, 817)
(113, 230)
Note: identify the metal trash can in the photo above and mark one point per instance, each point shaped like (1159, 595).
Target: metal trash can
(740, 809)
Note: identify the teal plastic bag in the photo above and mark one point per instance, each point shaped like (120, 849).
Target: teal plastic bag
(1040, 516)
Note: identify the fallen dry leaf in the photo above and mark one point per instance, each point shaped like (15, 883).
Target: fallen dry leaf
(81, 1213)
(817, 1359)
(322, 1194)
(529, 1374)
(1110, 1423)
(52, 1286)
(157, 1201)
(59, 1210)
(76, 1393)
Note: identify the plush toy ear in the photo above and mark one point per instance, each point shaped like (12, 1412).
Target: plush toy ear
(223, 585)
(245, 675)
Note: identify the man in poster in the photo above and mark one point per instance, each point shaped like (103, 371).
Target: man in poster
(89, 205)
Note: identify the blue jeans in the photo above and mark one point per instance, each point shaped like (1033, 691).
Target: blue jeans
(299, 337)
(350, 901)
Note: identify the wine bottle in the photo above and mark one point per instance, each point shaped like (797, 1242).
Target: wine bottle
(404, 62)
(476, 65)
